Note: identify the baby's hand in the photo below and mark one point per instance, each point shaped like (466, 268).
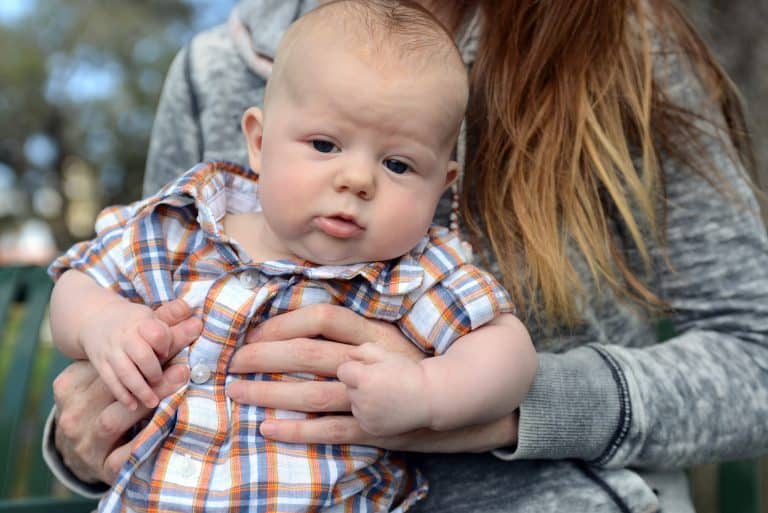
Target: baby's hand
(125, 344)
(387, 391)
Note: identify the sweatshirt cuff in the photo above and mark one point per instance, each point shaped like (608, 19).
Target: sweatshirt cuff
(58, 468)
(578, 407)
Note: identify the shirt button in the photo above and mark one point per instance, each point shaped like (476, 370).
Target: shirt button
(249, 279)
(188, 468)
(200, 373)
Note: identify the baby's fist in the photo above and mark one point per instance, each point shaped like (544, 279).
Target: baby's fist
(386, 391)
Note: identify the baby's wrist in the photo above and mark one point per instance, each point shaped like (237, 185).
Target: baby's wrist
(434, 416)
(94, 319)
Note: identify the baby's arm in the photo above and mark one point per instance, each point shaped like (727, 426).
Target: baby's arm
(483, 376)
(122, 339)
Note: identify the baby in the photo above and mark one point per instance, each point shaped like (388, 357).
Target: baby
(347, 162)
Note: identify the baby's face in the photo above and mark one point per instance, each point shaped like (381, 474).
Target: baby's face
(352, 158)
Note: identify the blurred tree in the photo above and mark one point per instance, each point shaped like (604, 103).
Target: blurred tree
(79, 82)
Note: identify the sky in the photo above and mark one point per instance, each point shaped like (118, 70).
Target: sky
(12, 10)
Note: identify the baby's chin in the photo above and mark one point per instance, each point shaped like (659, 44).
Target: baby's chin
(340, 258)
(348, 254)
(337, 259)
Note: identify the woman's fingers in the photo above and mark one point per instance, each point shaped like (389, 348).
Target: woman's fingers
(311, 396)
(337, 429)
(298, 341)
(346, 430)
(331, 322)
(115, 461)
(73, 380)
(89, 423)
(319, 357)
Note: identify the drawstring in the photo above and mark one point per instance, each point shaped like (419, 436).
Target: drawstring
(599, 481)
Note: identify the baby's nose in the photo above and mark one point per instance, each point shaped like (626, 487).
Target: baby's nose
(358, 180)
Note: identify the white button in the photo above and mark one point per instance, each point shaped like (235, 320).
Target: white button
(249, 279)
(200, 373)
(188, 468)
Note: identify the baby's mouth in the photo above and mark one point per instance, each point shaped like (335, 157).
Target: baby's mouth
(339, 226)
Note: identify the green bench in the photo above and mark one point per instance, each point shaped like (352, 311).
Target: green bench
(29, 363)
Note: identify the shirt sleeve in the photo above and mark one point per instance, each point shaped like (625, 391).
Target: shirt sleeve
(103, 258)
(462, 301)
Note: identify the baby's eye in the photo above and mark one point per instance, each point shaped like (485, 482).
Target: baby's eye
(396, 166)
(324, 146)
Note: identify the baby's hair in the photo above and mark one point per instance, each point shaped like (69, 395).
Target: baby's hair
(396, 29)
(400, 25)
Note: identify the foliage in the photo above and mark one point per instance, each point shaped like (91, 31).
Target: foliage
(82, 78)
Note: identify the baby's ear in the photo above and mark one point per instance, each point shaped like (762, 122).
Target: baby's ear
(451, 174)
(253, 130)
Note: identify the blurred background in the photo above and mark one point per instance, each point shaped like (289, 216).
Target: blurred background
(79, 83)
(80, 80)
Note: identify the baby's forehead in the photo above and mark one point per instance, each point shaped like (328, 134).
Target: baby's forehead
(388, 33)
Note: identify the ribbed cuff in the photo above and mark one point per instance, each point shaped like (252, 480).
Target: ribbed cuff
(60, 471)
(576, 408)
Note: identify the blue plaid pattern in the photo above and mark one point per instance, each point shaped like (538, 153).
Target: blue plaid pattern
(203, 452)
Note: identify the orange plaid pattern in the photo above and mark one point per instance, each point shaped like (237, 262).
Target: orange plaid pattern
(203, 452)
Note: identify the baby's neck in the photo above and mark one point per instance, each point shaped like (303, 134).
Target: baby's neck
(250, 230)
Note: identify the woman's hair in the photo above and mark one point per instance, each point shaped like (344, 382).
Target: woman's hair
(566, 125)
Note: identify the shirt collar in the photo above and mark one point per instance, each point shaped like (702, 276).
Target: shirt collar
(218, 188)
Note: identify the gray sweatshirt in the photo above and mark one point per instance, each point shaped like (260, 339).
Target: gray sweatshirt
(613, 415)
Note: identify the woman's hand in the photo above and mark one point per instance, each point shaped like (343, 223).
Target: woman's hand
(317, 339)
(91, 426)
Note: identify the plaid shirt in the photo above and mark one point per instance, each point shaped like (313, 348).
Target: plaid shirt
(203, 452)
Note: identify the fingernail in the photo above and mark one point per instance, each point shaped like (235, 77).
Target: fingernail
(233, 391)
(267, 429)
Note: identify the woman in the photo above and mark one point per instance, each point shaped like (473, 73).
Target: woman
(604, 170)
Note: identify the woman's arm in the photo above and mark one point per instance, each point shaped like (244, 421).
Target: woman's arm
(702, 395)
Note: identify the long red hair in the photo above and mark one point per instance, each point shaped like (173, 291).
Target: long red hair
(566, 124)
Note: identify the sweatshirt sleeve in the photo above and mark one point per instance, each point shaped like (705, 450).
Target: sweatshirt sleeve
(702, 395)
